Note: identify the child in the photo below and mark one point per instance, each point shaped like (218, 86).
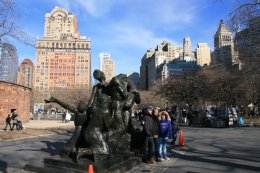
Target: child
(8, 122)
(165, 133)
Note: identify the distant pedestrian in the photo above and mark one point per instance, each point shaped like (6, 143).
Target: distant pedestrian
(63, 117)
(15, 120)
(8, 122)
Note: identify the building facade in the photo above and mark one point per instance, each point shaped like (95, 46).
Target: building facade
(107, 65)
(247, 43)
(25, 73)
(177, 69)
(63, 56)
(164, 51)
(134, 77)
(203, 54)
(224, 47)
(187, 50)
(8, 63)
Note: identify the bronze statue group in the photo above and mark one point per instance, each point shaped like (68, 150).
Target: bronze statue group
(101, 124)
(105, 128)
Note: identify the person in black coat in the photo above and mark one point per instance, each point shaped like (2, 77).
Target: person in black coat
(149, 129)
(156, 126)
(174, 116)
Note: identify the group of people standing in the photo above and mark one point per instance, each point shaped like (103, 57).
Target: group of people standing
(13, 117)
(159, 128)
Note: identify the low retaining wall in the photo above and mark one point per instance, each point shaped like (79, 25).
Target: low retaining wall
(14, 96)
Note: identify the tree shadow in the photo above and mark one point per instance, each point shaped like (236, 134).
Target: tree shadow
(53, 148)
(222, 152)
(228, 165)
(3, 166)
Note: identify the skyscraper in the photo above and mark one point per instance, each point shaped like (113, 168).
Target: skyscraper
(164, 51)
(187, 51)
(8, 63)
(107, 65)
(223, 46)
(25, 73)
(134, 77)
(62, 56)
(203, 54)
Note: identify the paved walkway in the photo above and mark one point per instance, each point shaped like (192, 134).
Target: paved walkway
(43, 124)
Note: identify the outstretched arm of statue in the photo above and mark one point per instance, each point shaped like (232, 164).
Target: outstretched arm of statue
(63, 104)
(51, 100)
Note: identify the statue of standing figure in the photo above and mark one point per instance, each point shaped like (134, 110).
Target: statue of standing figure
(100, 112)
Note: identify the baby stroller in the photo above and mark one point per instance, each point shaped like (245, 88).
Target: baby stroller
(20, 125)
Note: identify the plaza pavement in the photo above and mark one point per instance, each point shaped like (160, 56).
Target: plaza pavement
(45, 124)
(206, 150)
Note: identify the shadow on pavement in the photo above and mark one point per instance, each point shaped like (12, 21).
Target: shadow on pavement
(3, 166)
(229, 165)
(228, 154)
(53, 148)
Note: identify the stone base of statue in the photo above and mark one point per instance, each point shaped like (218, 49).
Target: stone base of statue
(119, 162)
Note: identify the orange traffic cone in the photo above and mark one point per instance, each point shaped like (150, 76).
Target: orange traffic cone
(181, 140)
(90, 169)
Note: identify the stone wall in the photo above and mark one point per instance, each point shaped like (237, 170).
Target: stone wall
(13, 96)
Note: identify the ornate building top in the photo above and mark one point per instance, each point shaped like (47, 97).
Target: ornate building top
(222, 28)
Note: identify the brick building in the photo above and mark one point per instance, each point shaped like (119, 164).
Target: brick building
(14, 96)
(62, 56)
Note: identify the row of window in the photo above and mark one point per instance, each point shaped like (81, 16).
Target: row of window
(64, 45)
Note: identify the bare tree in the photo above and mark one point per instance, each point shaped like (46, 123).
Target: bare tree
(184, 89)
(240, 16)
(245, 22)
(71, 96)
(8, 27)
(151, 98)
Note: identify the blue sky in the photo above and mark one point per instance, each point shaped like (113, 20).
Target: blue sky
(127, 28)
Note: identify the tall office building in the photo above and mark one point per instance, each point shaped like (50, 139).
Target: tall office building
(25, 73)
(152, 59)
(187, 51)
(134, 77)
(8, 63)
(107, 65)
(223, 46)
(203, 54)
(247, 44)
(63, 58)
(223, 37)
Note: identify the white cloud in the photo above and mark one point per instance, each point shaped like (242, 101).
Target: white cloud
(94, 8)
(64, 3)
(167, 11)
